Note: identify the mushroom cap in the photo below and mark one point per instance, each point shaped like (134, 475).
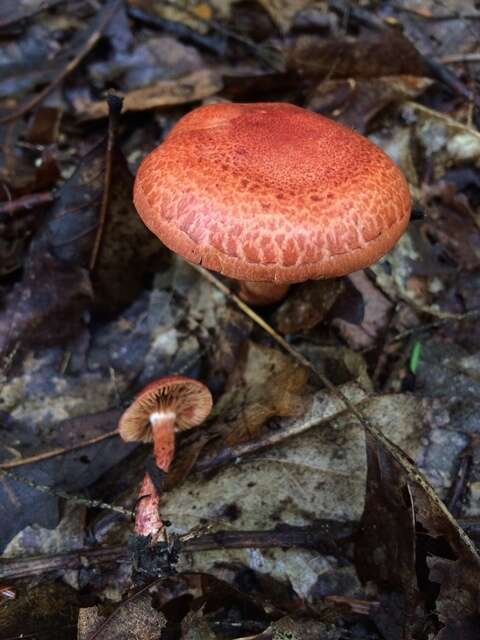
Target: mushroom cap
(271, 192)
(188, 399)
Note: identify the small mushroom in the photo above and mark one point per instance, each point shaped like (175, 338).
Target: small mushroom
(271, 194)
(164, 406)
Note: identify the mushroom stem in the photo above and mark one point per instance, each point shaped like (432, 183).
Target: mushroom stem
(262, 293)
(147, 520)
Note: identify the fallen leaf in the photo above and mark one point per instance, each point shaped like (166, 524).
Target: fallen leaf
(307, 305)
(196, 86)
(196, 627)
(46, 306)
(317, 472)
(385, 545)
(133, 619)
(409, 541)
(15, 10)
(374, 55)
(269, 384)
(356, 102)
(42, 611)
(283, 12)
(72, 469)
(377, 311)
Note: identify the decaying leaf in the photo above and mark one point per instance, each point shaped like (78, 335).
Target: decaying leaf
(283, 12)
(308, 304)
(289, 629)
(356, 102)
(376, 54)
(71, 469)
(408, 542)
(268, 384)
(14, 10)
(133, 619)
(385, 545)
(164, 93)
(46, 306)
(315, 472)
(377, 309)
(196, 627)
(45, 610)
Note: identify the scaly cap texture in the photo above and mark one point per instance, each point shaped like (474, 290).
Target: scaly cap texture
(271, 192)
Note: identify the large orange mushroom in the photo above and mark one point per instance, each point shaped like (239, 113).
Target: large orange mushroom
(271, 194)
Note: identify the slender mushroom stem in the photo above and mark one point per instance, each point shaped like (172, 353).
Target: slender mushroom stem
(262, 293)
(148, 521)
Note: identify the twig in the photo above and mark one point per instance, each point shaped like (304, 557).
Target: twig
(461, 481)
(436, 68)
(102, 21)
(326, 535)
(460, 57)
(32, 11)
(87, 502)
(397, 454)
(456, 15)
(468, 315)
(46, 455)
(181, 31)
(114, 111)
(258, 50)
(26, 202)
(289, 430)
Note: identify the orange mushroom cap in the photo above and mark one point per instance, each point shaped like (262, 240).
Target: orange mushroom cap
(271, 192)
(189, 399)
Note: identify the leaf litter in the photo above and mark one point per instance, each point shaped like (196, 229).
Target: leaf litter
(280, 455)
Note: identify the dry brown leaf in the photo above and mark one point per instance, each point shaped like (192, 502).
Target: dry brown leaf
(196, 86)
(357, 101)
(405, 529)
(377, 54)
(195, 627)
(288, 629)
(133, 619)
(377, 309)
(270, 384)
(283, 12)
(307, 305)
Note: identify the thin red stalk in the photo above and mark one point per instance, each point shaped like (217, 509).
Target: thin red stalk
(147, 520)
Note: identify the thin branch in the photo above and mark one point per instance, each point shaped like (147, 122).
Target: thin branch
(289, 430)
(102, 21)
(326, 535)
(30, 12)
(26, 202)
(114, 111)
(258, 50)
(59, 493)
(59, 451)
(460, 57)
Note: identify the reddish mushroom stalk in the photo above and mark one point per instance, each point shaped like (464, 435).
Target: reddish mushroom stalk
(164, 406)
(262, 293)
(147, 520)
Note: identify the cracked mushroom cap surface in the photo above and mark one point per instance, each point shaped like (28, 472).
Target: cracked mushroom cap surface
(271, 192)
(188, 399)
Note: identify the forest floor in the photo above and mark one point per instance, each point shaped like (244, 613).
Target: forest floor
(334, 492)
